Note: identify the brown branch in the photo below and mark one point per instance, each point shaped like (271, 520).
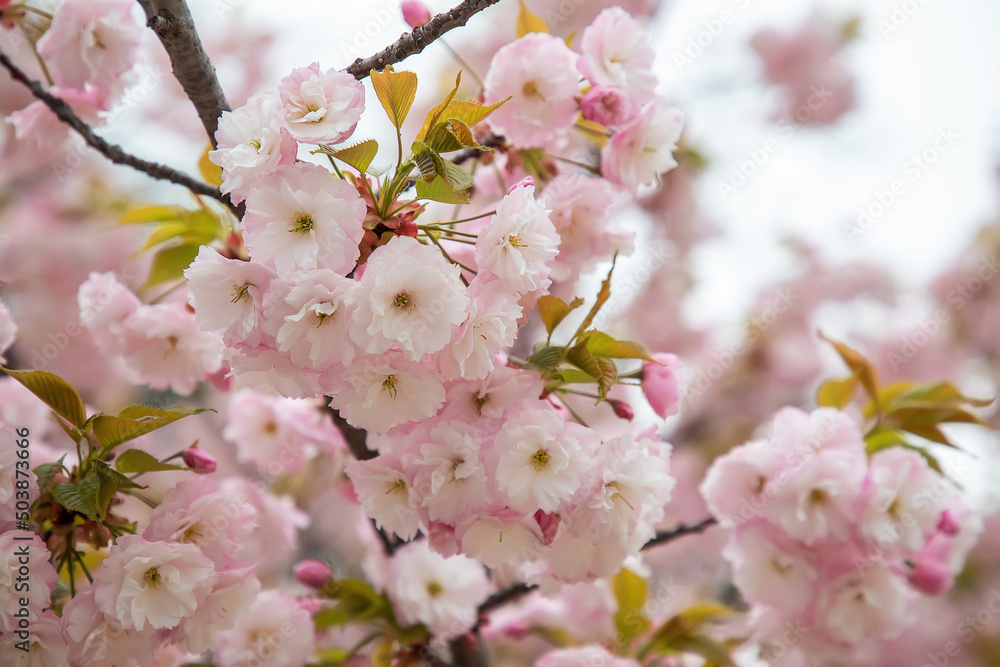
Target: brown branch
(511, 594)
(411, 43)
(355, 437)
(680, 531)
(65, 113)
(490, 141)
(171, 21)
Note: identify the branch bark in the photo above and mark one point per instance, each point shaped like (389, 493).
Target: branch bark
(680, 531)
(65, 113)
(171, 21)
(416, 41)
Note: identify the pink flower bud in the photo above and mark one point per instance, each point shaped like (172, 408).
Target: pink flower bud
(199, 461)
(526, 182)
(622, 409)
(948, 525)
(931, 577)
(663, 385)
(415, 13)
(607, 105)
(549, 523)
(312, 573)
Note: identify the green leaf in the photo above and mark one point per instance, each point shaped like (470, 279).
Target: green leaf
(434, 115)
(143, 215)
(395, 91)
(134, 421)
(441, 191)
(837, 393)
(682, 633)
(211, 172)
(602, 298)
(548, 358)
(198, 227)
(574, 376)
(357, 601)
(609, 376)
(465, 111)
(359, 156)
(136, 460)
(78, 497)
(452, 135)
(46, 473)
(554, 310)
(169, 264)
(601, 344)
(534, 163)
(860, 366)
(528, 22)
(54, 392)
(581, 357)
(880, 439)
(631, 592)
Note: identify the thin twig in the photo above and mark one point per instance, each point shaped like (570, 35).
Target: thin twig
(681, 531)
(414, 42)
(65, 113)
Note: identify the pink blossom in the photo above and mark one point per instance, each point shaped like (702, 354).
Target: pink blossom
(539, 71)
(616, 52)
(275, 632)
(312, 573)
(252, 143)
(490, 397)
(163, 347)
(519, 242)
(770, 569)
(448, 477)
(874, 604)
(490, 326)
(91, 42)
(226, 295)
(152, 583)
(265, 369)
(302, 217)
(386, 493)
(11, 474)
(643, 149)
(739, 483)
(46, 648)
(503, 539)
(199, 461)
(274, 541)
(607, 105)
(321, 107)
(388, 390)
(591, 656)
(197, 512)
(17, 555)
(98, 640)
(104, 304)
(442, 593)
(663, 384)
(410, 297)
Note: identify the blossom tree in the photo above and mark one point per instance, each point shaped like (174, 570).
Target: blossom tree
(375, 408)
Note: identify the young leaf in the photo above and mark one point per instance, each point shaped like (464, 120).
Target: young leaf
(143, 215)
(528, 22)
(441, 191)
(548, 358)
(533, 160)
(631, 592)
(136, 460)
(836, 393)
(452, 135)
(169, 264)
(211, 172)
(601, 344)
(395, 91)
(134, 421)
(54, 391)
(78, 497)
(609, 376)
(574, 376)
(860, 366)
(359, 156)
(46, 474)
(554, 310)
(602, 298)
(434, 115)
(581, 357)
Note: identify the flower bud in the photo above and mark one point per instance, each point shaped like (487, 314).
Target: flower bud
(199, 461)
(948, 525)
(931, 577)
(549, 524)
(622, 409)
(607, 105)
(312, 573)
(663, 385)
(415, 13)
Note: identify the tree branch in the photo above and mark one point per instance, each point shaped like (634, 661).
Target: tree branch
(355, 437)
(65, 113)
(171, 21)
(680, 531)
(511, 594)
(414, 42)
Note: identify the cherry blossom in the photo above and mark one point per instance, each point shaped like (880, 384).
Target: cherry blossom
(320, 107)
(616, 52)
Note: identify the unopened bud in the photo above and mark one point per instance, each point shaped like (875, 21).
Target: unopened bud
(931, 577)
(607, 105)
(415, 13)
(312, 573)
(199, 461)
(622, 409)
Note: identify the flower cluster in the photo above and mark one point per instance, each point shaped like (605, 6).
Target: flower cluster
(826, 536)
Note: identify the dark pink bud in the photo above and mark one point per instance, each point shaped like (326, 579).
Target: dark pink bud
(199, 461)
(312, 573)
(948, 525)
(607, 105)
(931, 577)
(415, 13)
(549, 523)
(622, 409)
